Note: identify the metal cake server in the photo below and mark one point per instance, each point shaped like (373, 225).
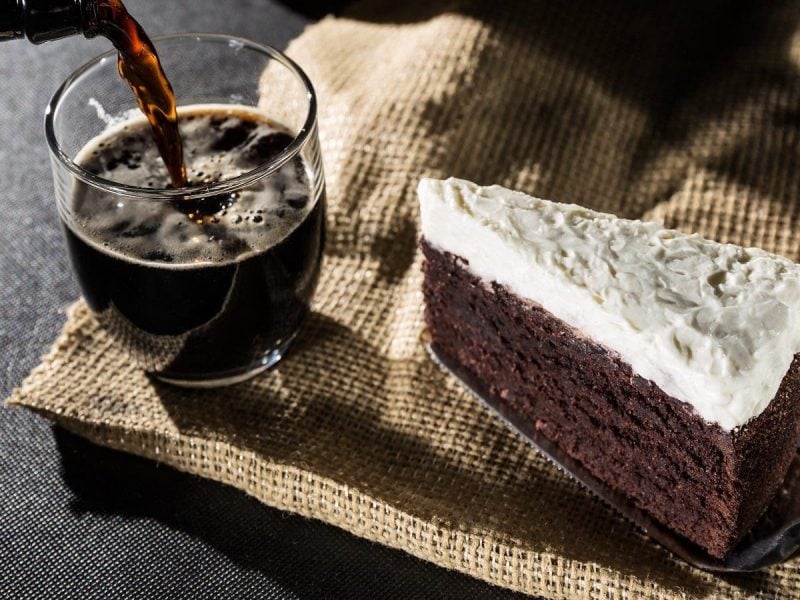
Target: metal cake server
(773, 539)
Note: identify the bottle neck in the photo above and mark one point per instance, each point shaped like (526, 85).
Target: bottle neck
(44, 20)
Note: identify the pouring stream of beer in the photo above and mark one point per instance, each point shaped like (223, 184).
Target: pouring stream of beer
(140, 67)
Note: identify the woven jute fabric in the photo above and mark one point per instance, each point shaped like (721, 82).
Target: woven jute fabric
(687, 112)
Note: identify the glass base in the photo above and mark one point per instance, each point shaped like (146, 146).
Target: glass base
(215, 380)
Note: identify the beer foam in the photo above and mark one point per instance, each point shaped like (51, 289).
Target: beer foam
(220, 143)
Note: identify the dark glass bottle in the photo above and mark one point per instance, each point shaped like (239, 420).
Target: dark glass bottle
(44, 20)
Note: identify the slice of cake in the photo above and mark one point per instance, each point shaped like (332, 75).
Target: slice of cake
(664, 363)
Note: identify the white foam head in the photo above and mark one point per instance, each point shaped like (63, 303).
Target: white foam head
(143, 229)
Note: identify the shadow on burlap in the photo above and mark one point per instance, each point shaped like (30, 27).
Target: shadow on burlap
(686, 112)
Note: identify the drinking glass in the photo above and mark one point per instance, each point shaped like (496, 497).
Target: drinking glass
(197, 323)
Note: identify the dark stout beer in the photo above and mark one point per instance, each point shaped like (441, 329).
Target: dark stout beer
(198, 287)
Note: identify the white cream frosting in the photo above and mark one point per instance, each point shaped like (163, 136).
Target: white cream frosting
(713, 325)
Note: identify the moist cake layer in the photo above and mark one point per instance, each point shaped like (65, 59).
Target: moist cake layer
(713, 325)
(702, 482)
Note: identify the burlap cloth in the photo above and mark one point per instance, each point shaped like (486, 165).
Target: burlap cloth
(687, 112)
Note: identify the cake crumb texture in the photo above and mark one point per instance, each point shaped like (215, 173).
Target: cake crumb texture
(702, 482)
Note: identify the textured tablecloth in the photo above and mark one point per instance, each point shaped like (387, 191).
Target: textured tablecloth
(684, 112)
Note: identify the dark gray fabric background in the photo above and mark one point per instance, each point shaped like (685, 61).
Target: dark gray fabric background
(77, 520)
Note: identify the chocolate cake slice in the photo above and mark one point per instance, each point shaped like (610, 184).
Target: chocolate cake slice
(664, 363)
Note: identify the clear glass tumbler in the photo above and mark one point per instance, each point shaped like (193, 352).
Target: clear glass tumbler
(205, 301)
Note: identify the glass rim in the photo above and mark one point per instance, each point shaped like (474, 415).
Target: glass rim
(193, 192)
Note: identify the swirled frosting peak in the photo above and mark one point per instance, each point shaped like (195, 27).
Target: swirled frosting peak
(713, 325)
